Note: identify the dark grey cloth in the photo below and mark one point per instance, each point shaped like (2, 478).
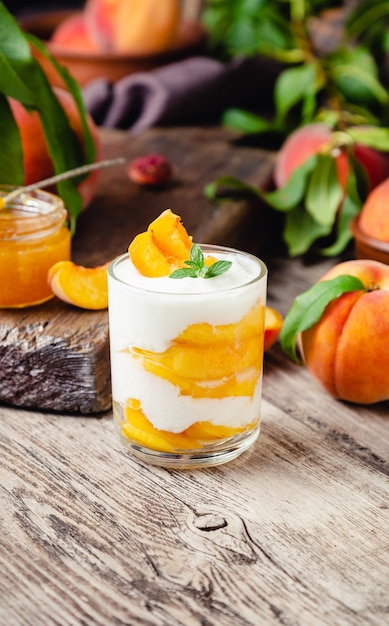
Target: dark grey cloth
(190, 91)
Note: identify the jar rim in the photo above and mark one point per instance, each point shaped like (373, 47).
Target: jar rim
(30, 213)
(38, 201)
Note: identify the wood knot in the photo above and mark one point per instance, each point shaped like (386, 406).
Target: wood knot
(210, 521)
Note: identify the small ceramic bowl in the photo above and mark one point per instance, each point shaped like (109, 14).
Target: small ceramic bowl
(85, 66)
(367, 247)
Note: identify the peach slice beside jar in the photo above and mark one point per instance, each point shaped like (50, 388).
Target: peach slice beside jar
(84, 287)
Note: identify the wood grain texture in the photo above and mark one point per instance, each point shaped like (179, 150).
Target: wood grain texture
(56, 357)
(295, 532)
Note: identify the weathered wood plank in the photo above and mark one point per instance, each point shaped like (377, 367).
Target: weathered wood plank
(57, 357)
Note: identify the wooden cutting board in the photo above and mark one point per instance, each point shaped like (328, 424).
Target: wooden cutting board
(55, 356)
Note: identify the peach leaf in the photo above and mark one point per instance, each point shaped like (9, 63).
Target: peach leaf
(309, 306)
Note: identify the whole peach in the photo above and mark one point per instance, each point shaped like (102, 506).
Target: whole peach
(374, 216)
(134, 26)
(307, 140)
(72, 33)
(347, 350)
(36, 160)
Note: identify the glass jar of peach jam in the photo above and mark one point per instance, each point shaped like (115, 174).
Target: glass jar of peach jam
(33, 236)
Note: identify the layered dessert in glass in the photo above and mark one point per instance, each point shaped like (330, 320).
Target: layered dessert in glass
(186, 348)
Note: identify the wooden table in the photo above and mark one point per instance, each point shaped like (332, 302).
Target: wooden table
(294, 532)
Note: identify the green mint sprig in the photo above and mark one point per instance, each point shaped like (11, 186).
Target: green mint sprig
(197, 268)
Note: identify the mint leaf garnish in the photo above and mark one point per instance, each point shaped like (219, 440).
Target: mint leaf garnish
(309, 306)
(217, 268)
(184, 272)
(197, 268)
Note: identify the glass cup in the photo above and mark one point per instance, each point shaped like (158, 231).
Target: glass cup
(186, 361)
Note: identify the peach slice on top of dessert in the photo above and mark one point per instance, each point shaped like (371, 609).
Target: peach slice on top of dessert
(162, 248)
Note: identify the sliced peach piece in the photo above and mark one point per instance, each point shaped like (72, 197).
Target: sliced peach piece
(242, 384)
(207, 430)
(170, 236)
(147, 257)
(209, 260)
(273, 325)
(139, 429)
(84, 287)
(207, 362)
(134, 404)
(163, 248)
(250, 325)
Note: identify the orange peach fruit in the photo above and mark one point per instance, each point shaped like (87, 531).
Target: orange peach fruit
(133, 26)
(84, 287)
(308, 140)
(73, 33)
(374, 216)
(347, 350)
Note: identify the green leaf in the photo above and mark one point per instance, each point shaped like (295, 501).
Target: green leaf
(343, 232)
(301, 231)
(324, 192)
(15, 58)
(373, 136)
(226, 187)
(246, 122)
(247, 27)
(309, 306)
(89, 146)
(288, 196)
(11, 146)
(257, 29)
(365, 14)
(283, 199)
(198, 269)
(309, 105)
(292, 86)
(196, 256)
(358, 186)
(356, 115)
(355, 74)
(60, 134)
(217, 268)
(184, 272)
(351, 206)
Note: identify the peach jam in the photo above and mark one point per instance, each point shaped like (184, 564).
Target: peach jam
(33, 236)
